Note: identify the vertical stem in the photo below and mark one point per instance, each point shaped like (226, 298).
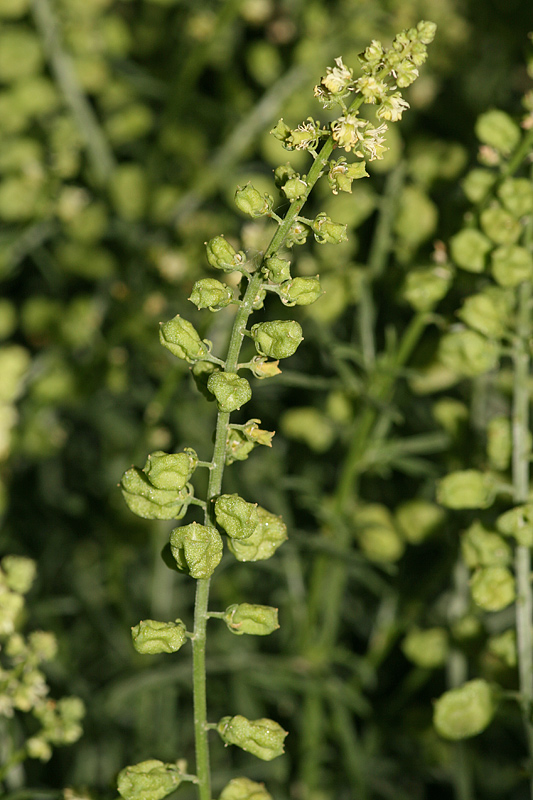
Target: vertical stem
(203, 771)
(520, 468)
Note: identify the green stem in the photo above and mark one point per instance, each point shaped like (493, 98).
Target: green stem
(98, 150)
(520, 469)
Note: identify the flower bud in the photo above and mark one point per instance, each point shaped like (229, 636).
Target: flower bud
(464, 712)
(295, 187)
(427, 649)
(467, 488)
(252, 619)
(257, 434)
(277, 269)
(497, 129)
(269, 534)
(197, 549)
(488, 312)
(499, 443)
(231, 392)
(221, 255)
(483, 548)
(251, 202)
(238, 518)
(328, 232)
(180, 337)
(424, 288)
(418, 519)
(38, 747)
(278, 338)
(426, 31)
(511, 265)
(492, 588)
(518, 522)
(468, 352)
(300, 291)
(244, 789)
(171, 471)
(210, 293)
(263, 368)
(151, 503)
(151, 636)
(148, 780)
(469, 249)
(262, 737)
(282, 132)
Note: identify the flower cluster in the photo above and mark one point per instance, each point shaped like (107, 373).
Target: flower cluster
(23, 686)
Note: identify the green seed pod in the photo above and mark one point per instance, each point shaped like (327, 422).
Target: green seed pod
(504, 648)
(180, 337)
(516, 195)
(278, 338)
(270, 533)
(300, 291)
(492, 588)
(427, 649)
(467, 488)
(170, 470)
(282, 132)
(499, 443)
(252, 619)
(469, 249)
(377, 536)
(511, 265)
(238, 518)
(221, 255)
(328, 232)
(283, 173)
(424, 288)
(257, 434)
(151, 503)
(251, 202)
(277, 269)
(483, 548)
(341, 174)
(262, 737)
(231, 392)
(468, 352)
(477, 184)
(148, 780)
(244, 789)
(295, 187)
(452, 415)
(297, 234)
(19, 573)
(152, 637)
(308, 425)
(488, 312)
(464, 712)
(500, 226)
(417, 520)
(197, 549)
(210, 293)
(238, 447)
(498, 130)
(518, 522)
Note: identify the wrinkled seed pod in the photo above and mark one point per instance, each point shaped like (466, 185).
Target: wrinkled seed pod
(464, 712)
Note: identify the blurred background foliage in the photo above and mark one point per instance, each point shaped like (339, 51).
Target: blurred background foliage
(125, 126)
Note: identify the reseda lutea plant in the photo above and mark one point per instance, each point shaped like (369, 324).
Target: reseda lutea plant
(163, 488)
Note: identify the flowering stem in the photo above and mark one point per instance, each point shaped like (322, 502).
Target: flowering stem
(520, 469)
